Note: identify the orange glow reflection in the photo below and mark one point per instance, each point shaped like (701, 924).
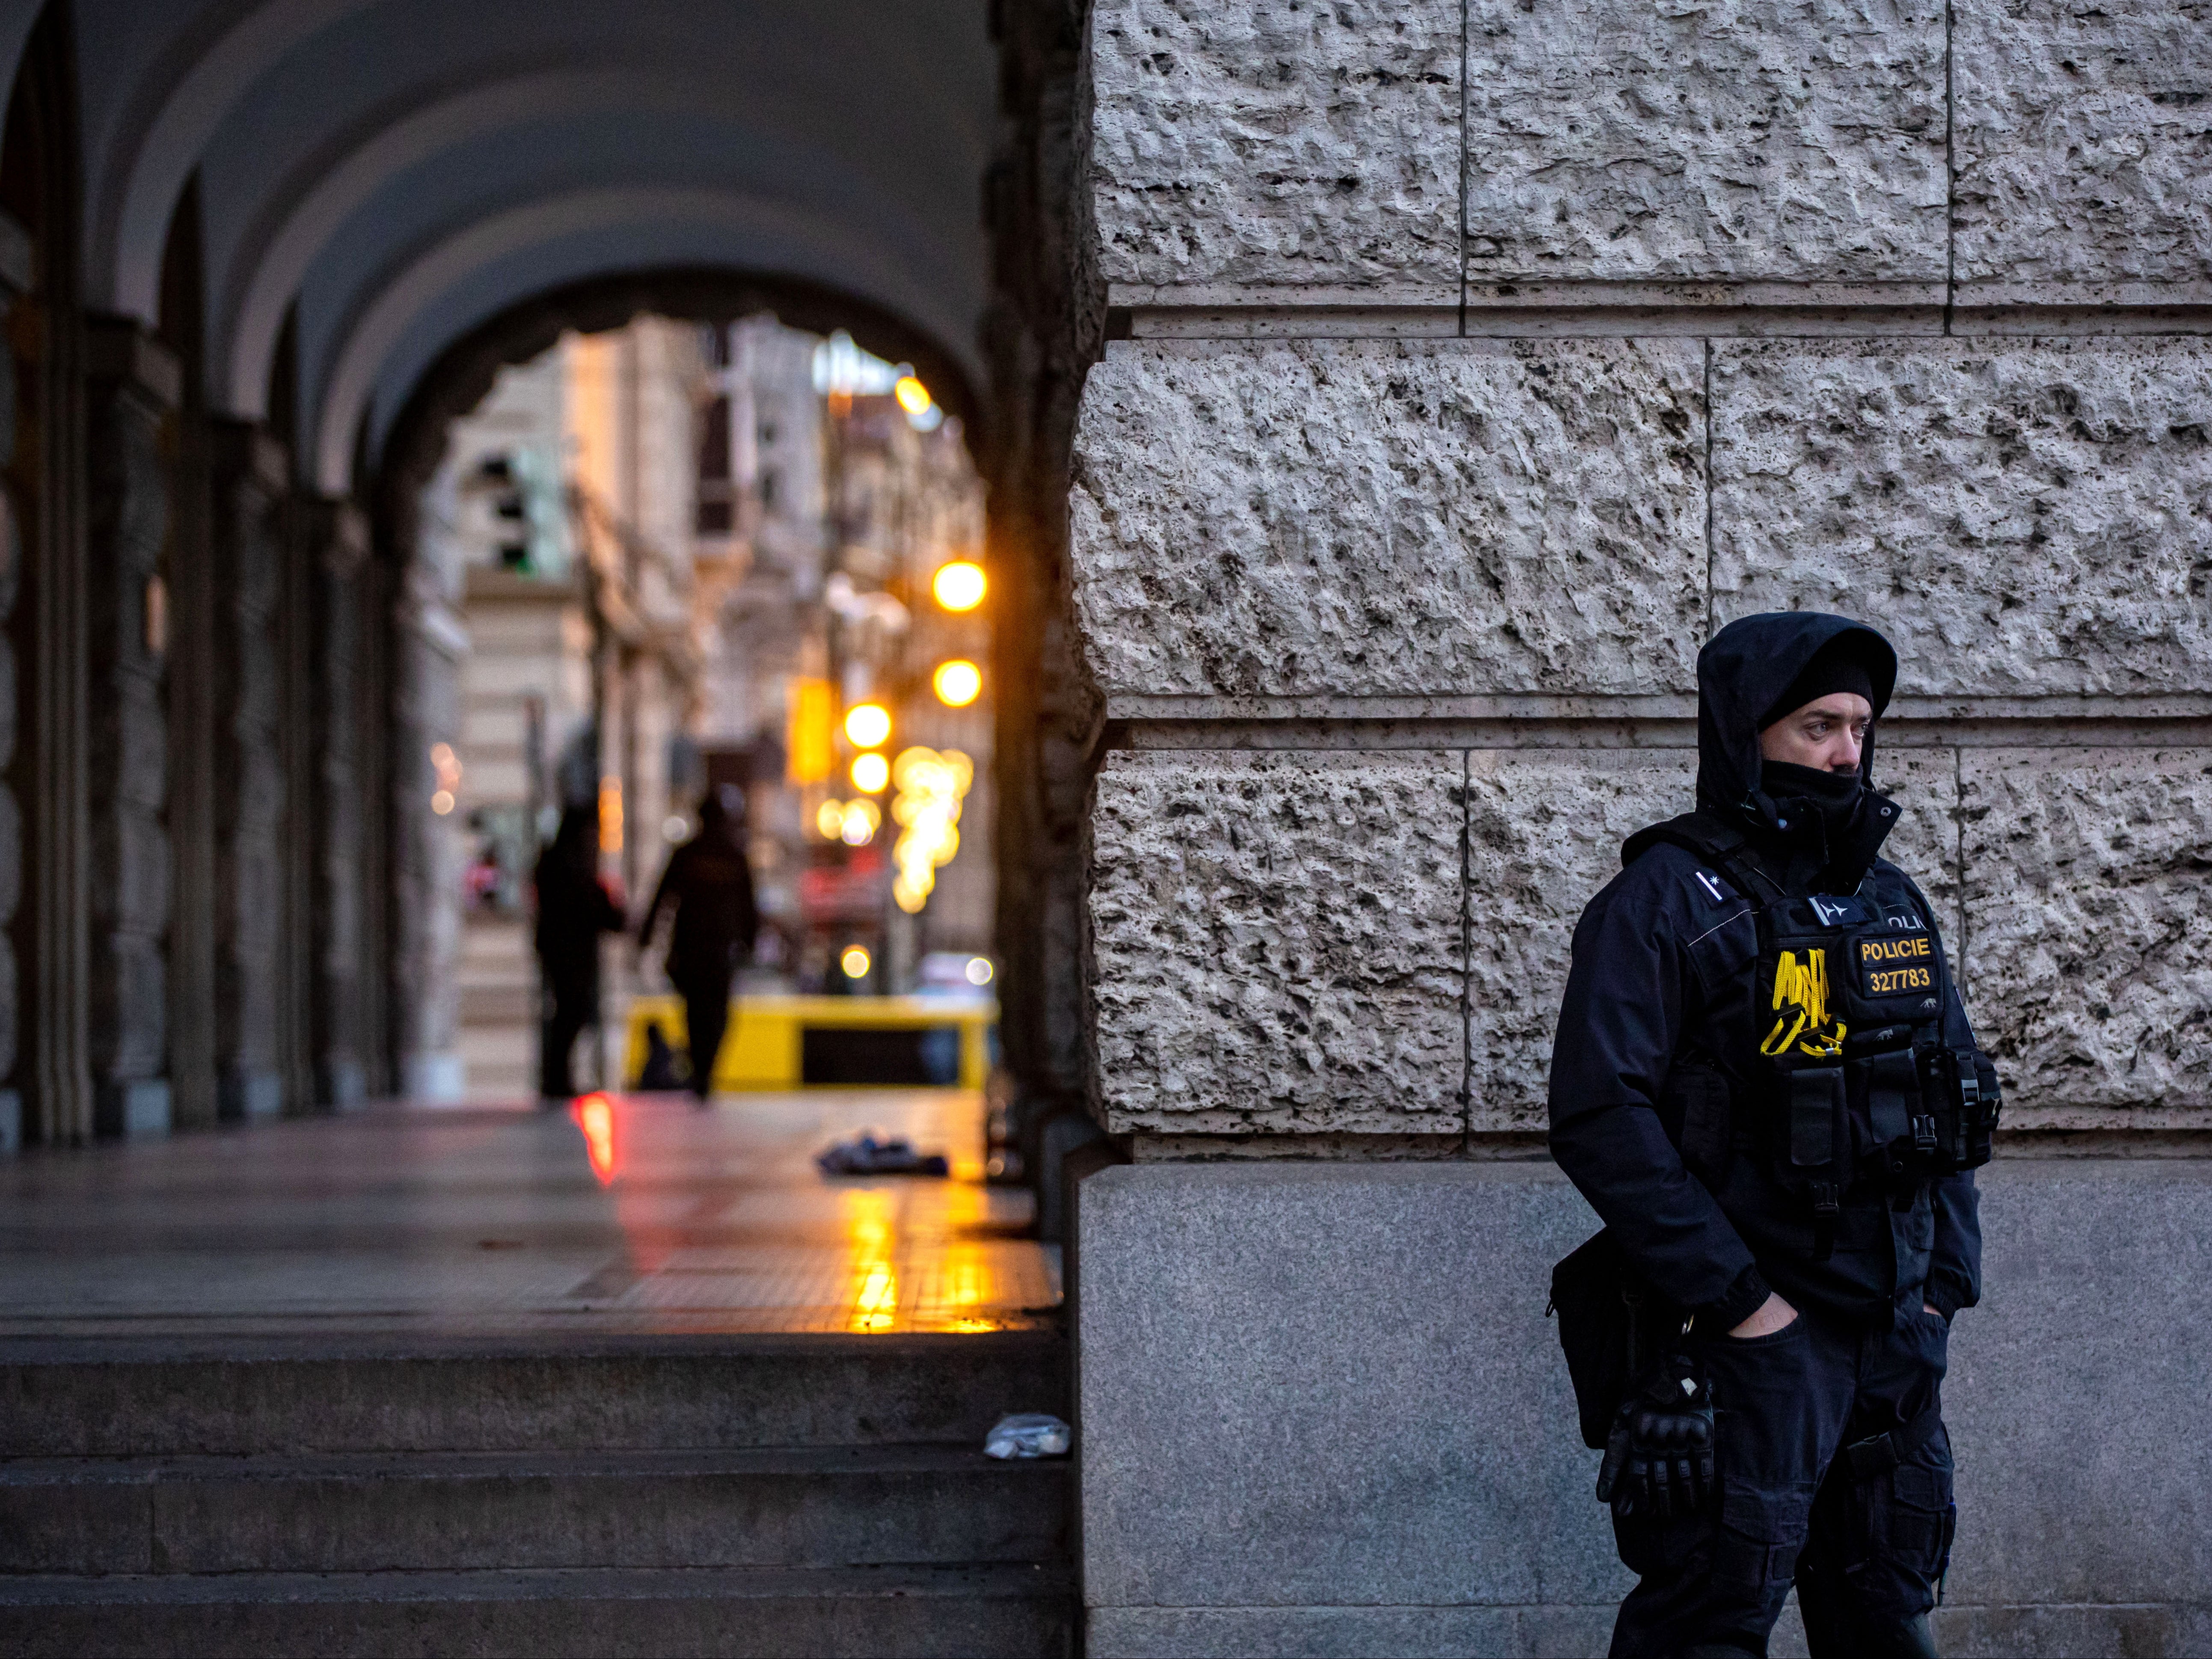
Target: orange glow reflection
(595, 1116)
(869, 1236)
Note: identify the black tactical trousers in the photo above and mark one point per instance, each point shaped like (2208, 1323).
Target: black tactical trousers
(1829, 1475)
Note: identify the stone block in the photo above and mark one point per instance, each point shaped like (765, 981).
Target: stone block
(1346, 1632)
(1544, 836)
(1276, 942)
(1925, 784)
(1322, 1412)
(1793, 140)
(1246, 144)
(2021, 519)
(2084, 156)
(1381, 1417)
(2076, 1484)
(2089, 917)
(1352, 517)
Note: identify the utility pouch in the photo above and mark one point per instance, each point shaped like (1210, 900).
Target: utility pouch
(1611, 1326)
(1817, 1125)
(1889, 1084)
(1959, 1091)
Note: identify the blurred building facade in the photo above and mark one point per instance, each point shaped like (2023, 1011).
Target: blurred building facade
(671, 546)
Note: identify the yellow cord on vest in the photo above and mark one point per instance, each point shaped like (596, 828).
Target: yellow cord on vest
(1801, 993)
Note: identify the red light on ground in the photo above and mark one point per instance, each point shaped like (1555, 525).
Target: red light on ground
(595, 1116)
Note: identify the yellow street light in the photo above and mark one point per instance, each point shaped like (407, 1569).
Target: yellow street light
(868, 725)
(958, 683)
(913, 396)
(870, 772)
(959, 586)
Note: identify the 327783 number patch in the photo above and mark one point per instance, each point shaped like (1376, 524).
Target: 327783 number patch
(1894, 966)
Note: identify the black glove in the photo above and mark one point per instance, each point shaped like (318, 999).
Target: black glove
(1659, 1457)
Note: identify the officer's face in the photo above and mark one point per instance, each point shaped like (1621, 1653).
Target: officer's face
(1826, 734)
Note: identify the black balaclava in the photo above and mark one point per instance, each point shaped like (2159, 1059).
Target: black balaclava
(1831, 797)
(1746, 669)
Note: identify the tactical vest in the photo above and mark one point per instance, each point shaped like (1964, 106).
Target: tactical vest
(1849, 1014)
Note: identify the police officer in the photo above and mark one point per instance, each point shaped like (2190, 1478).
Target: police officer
(1765, 1085)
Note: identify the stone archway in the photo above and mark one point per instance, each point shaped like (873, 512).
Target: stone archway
(438, 692)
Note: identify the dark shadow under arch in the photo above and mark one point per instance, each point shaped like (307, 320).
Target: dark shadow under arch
(463, 372)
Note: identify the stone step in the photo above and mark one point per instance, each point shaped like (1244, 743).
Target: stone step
(901, 1612)
(813, 1507)
(240, 1398)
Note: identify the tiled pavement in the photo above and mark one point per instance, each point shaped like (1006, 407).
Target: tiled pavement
(633, 1215)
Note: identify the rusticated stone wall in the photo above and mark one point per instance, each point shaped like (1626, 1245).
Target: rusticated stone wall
(1469, 362)
(1040, 334)
(1441, 535)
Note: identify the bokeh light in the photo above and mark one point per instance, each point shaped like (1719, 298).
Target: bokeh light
(870, 772)
(960, 584)
(958, 683)
(855, 962)
(868, 725)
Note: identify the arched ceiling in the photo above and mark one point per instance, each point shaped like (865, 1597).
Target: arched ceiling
(402, 170)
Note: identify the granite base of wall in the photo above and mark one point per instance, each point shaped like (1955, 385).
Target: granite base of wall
(1322, 1412)
(2018, 1632)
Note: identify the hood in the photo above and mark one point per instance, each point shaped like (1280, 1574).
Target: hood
(1741, 671)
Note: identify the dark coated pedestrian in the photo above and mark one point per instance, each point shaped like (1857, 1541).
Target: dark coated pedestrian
(709, 887)
(1765, 1084)
(575, 905)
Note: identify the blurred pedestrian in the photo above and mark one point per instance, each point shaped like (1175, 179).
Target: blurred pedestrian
(575, 907)
(709, 886)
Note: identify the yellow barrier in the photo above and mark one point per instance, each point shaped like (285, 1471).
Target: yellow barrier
(763, 1045)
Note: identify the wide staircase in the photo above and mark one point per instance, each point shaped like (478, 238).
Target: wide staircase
(811, 1495)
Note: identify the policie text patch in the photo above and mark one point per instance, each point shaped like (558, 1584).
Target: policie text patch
(1897, 964)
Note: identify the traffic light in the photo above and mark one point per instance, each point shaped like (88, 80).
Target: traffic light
(528, 509)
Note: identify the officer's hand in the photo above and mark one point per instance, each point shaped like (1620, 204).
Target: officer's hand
(1659, 1457)
(1774, 1314)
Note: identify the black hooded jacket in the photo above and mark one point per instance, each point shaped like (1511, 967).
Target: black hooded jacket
(1664, 979)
